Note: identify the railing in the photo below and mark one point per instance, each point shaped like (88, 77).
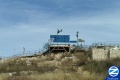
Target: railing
(105, 44)
(29, 53)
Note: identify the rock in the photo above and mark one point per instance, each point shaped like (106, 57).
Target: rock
(10, 74)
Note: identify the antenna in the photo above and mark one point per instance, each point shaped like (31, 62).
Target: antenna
(59, 30)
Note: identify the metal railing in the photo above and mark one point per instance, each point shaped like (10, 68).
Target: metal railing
(105, 44)
(29, 53)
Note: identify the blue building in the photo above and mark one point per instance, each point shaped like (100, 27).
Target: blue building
(60, 43)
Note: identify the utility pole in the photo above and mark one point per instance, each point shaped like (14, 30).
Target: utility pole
(77, 38)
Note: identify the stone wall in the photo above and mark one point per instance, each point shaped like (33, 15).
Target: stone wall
(114, 53)
(103, 54)
(99, 54)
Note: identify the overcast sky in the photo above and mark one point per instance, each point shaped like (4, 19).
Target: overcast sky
(28, 23)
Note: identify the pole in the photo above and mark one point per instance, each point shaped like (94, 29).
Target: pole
(57, 35)
(49, 45)
(77, 38)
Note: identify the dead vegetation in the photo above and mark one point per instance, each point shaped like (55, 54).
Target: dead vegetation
(62, 66)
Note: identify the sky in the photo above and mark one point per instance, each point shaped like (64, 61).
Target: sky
(29, 23)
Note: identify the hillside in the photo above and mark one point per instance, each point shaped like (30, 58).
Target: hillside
(62, 66)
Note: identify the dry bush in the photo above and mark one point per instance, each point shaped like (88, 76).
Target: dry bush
(22, 66)
(66, 55)
(50, 57)
(82, 58)
(67, 62)
(101, 67)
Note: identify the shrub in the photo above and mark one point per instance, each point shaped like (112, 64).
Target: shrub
(67, 62)
(66, 55)
(22, 66)
(82, 58)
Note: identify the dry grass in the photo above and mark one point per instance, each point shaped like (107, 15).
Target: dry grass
(94, 70)
(61, 75)
(3, 76)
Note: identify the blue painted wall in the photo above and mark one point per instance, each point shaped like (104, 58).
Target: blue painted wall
(60, 38)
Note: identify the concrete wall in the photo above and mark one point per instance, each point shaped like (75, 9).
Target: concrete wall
(99, 54)
(114, 53)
